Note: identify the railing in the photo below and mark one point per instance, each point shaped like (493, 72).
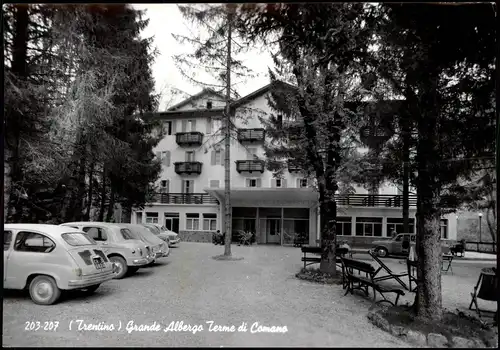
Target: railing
(188, 167)
(481, 247)
(251, 135)
(189, 138)
(250, 165)
(374, 200)
(293, 166)
(184, 198)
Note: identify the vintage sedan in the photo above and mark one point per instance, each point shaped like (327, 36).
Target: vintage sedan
(121, 246)
(168, 236)
(159, 248)
(47, 259)
(400, 245)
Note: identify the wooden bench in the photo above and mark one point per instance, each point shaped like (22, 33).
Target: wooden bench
(308, 260)
(365, 282)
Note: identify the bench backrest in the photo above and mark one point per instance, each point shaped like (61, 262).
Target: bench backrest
(358, 265)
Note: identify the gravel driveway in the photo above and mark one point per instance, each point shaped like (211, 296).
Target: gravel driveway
(191, 287)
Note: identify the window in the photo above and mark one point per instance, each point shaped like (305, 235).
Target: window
(168, 127)
(444, 228)
(218, 157)
(77, 239)
(252, 182)
(302, 183)
(189, 156)
(215, 125)
(96, 233)
(187, 186)
(278, 183)
(190, 125)
(7, 238)
(192, 221)
(138, 217)
(395, 226)
(127, 234)
(164, 186)
(369, 227)
(33, 242)
(172, 221)
(209, 222)
(165, 158)
(209, 104)
(343, 226)
(151, 218)
(214, 183)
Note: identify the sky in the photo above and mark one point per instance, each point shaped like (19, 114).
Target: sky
(165, 19)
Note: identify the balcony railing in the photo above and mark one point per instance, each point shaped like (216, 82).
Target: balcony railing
(184, 198)
(293, 166)
(250, 165)
(193, 138)
(188, 168)
(374, 200)
(251, 135)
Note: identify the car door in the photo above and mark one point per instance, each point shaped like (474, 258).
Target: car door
(7, 244)
(31, 252)
(396, 245)
(405, 245)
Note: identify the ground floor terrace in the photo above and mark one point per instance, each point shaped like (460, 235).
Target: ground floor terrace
(281, 215)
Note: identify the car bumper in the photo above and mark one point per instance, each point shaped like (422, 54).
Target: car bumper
(140, 261)
(176, 241)
(88, 281)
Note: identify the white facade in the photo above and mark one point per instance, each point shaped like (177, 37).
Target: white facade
(263, 185)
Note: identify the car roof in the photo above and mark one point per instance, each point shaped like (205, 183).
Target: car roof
(83, 223)
(55, 230)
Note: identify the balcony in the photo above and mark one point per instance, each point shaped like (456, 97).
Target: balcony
(293, 166)
(250, 166)
(184, 198)
(188, 168)
(193, 138)
(374, 200)
(251, 135)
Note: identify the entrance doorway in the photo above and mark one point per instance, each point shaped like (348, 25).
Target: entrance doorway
(273, 233)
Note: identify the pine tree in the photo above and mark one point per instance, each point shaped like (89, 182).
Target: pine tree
(320, 108)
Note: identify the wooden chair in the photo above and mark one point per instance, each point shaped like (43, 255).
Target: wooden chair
(485, 289)
(390, 274)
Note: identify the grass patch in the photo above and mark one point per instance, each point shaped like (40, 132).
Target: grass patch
(315, 275)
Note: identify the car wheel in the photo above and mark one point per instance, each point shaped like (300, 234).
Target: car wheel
(132, 270)
(382, 252)
(44, 290)
(91, 289)
(121, 266)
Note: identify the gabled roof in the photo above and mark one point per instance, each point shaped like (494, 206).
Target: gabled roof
(262, 91)
(206, 91)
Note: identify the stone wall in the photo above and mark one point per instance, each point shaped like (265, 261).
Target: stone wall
(196, 236)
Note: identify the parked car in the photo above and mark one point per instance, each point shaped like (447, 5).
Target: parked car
(168, 236)
(399, 245)
(159, 248)
(121, 246)
(47, 259)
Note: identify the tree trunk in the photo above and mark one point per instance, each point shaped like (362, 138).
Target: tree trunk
(111, 206)
(406, 177)
(429, 296)
(103, 196)
(227, 143)
(86, 216)
(328, 210)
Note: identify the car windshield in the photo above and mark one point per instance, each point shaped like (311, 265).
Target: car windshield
(78, 239)
(127, 234)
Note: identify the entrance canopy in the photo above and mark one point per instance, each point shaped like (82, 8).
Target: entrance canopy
(268, 197)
